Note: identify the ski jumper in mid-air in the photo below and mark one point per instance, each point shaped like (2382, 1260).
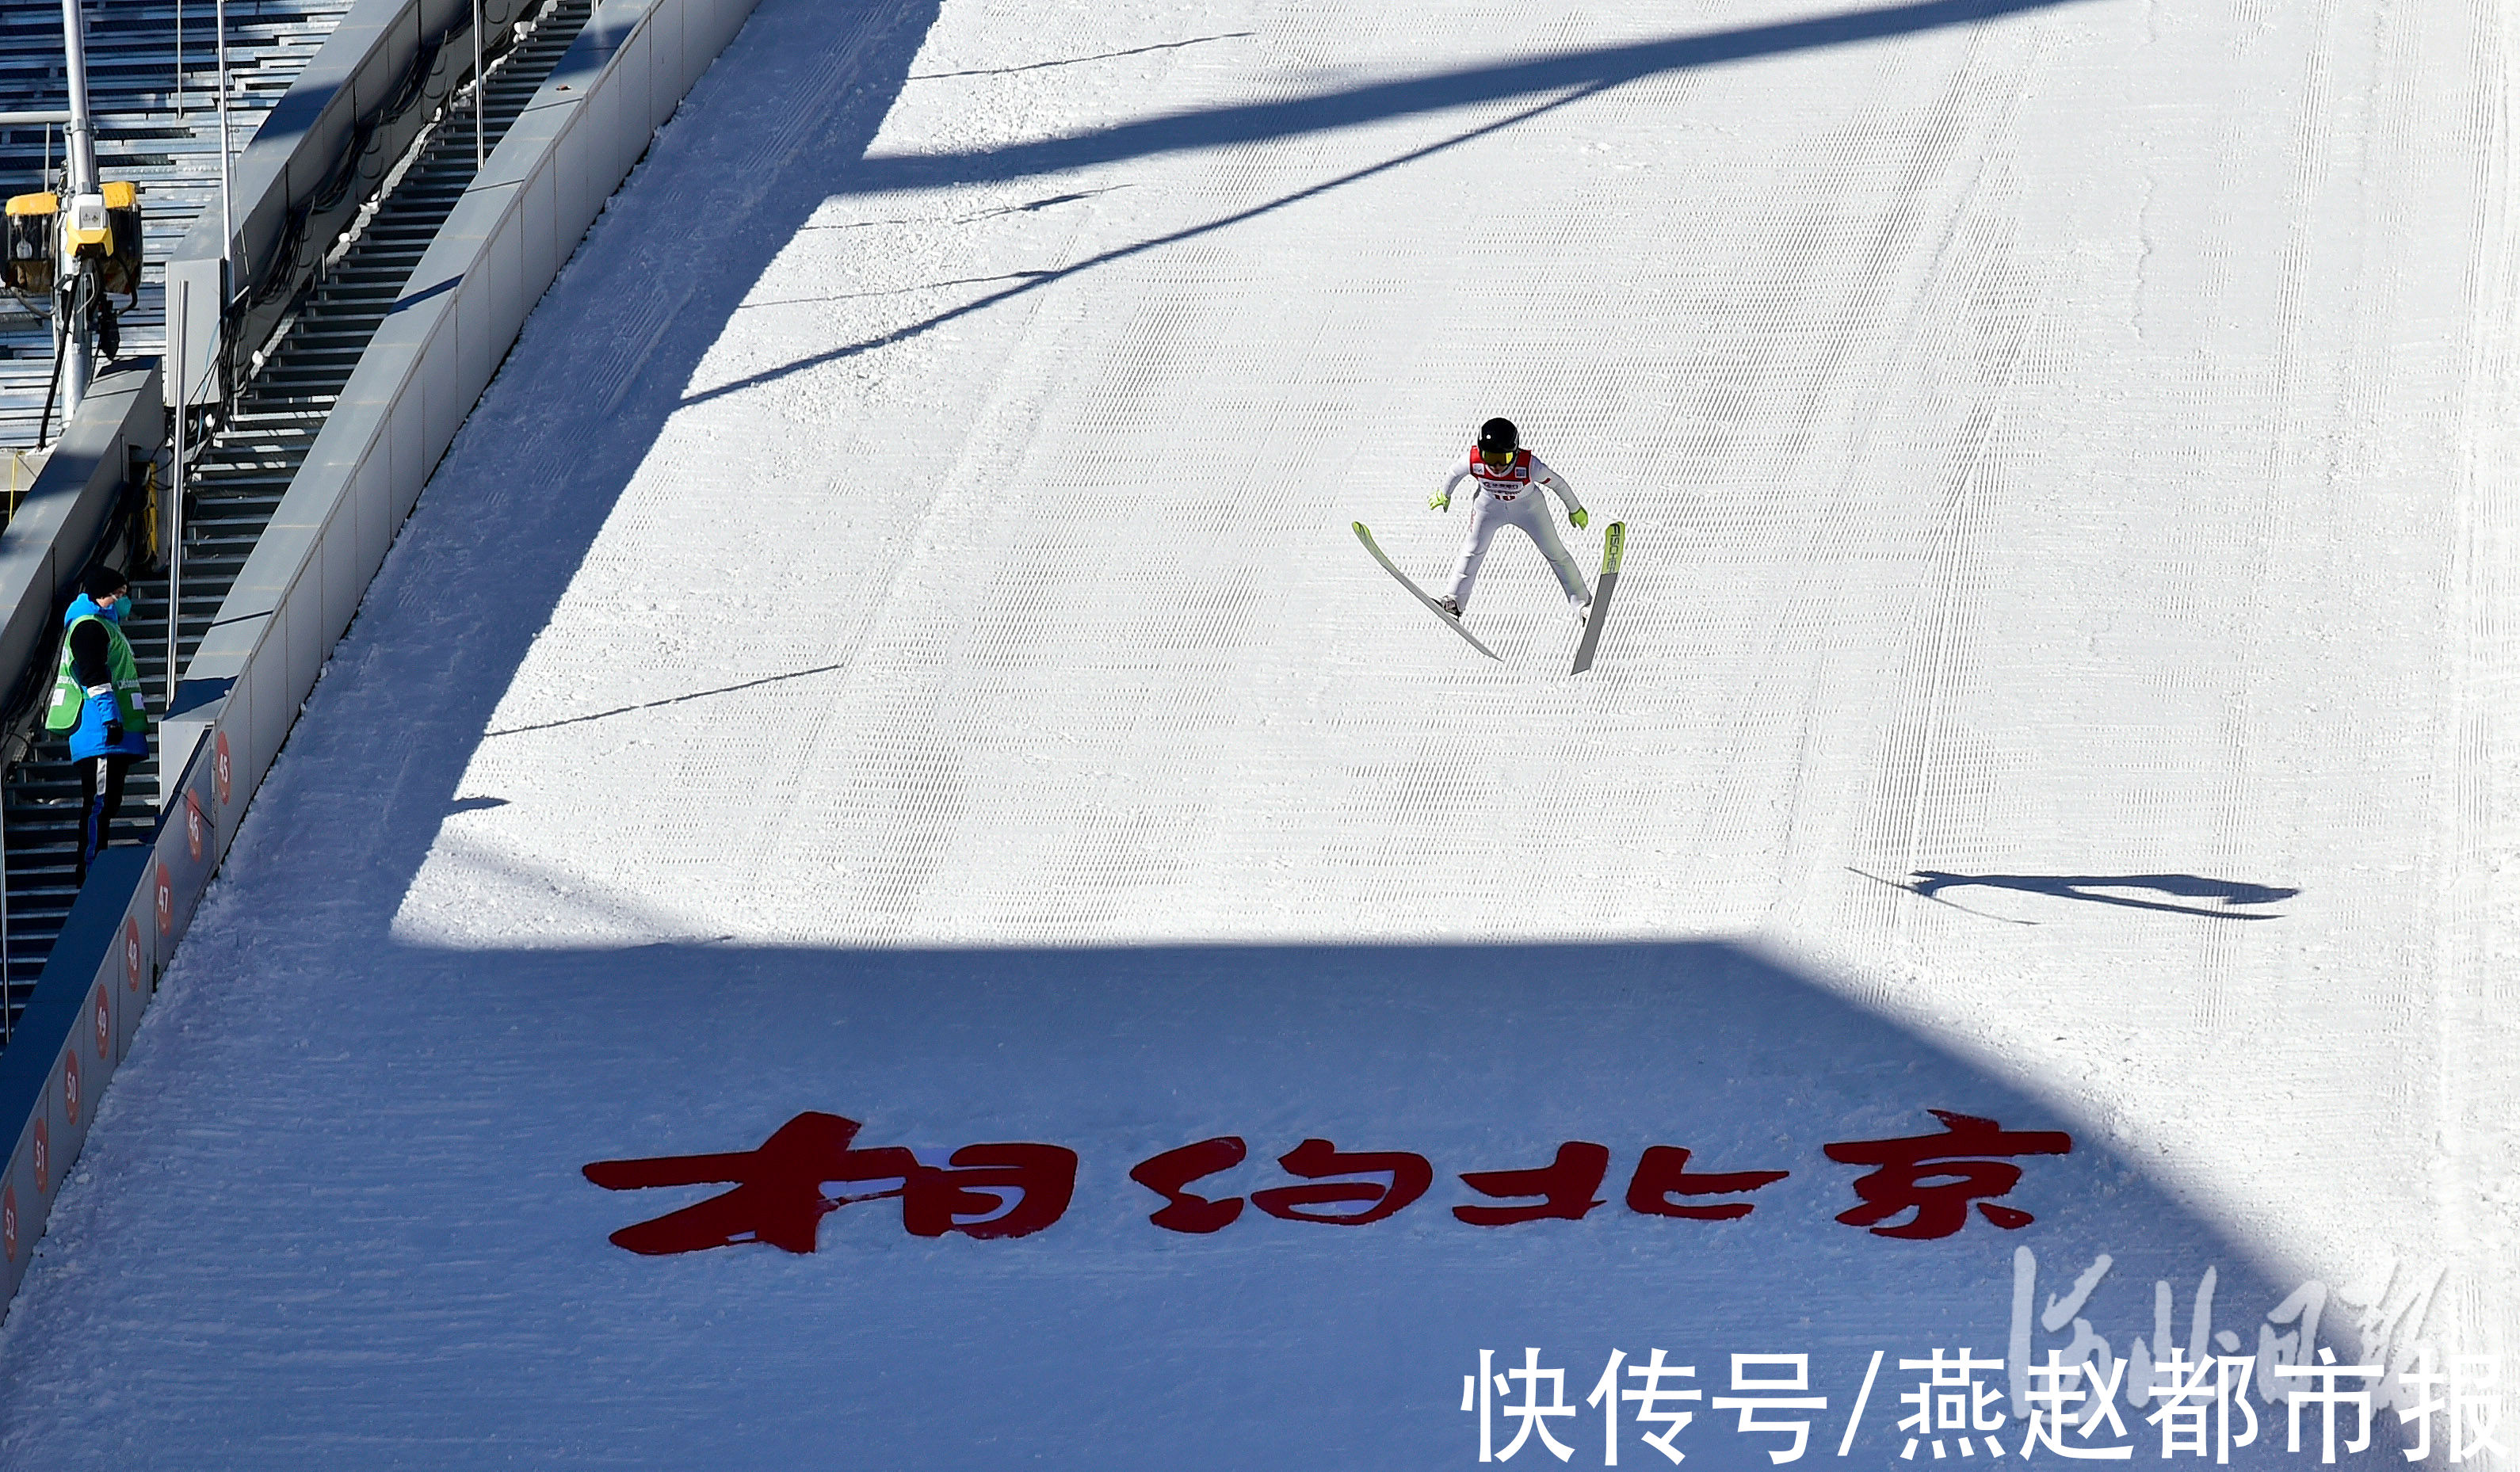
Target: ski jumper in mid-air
(1508, 480)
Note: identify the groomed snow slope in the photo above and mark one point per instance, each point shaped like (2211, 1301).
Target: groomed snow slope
(890, 643)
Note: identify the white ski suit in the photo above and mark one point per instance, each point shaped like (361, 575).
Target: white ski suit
(1511, 496)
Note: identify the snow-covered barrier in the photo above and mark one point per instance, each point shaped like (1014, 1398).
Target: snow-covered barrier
(469, 296)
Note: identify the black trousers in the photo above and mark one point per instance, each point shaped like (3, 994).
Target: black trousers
(100, 798)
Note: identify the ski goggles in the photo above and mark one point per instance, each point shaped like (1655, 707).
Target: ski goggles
(1500, 459)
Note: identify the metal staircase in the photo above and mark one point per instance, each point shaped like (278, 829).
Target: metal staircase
(242, 473)
(158, 126)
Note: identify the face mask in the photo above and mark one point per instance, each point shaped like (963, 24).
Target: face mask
(118, 608)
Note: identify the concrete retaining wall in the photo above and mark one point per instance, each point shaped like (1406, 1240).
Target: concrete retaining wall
(48, 541)
(353, 109)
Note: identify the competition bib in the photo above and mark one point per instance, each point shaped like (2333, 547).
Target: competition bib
(1502, 484)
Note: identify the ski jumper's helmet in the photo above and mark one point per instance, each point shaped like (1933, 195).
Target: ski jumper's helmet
(1499, 437)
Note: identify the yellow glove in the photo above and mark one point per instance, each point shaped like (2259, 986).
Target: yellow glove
(1441, 501)
(1578, 516)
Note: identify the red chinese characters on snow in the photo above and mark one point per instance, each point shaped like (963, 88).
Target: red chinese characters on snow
(1664, 1173)
(1319, 1159)
(1564, 1186)
(1168, 1174)
(1563, 1190)
(778, 1196)
(1013, 1189)
(1938, 1176)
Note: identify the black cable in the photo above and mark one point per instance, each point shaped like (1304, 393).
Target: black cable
(53, 385)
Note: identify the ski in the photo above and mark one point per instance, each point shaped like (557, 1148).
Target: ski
(1614, 541)
(1419, 593)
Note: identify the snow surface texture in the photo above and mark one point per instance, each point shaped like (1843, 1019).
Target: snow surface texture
(890, 643)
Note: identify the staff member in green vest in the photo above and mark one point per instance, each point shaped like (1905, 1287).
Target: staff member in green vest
(97, 699)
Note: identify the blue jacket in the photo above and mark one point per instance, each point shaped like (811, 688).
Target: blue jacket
(88, 739)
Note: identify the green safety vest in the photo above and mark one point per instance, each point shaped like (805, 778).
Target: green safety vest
(70, 697)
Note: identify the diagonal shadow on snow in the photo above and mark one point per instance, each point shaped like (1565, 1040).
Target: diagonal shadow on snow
(1586, 70)
(1574, 76)
(1036, 280)
(1079, 61)
(684, 698)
